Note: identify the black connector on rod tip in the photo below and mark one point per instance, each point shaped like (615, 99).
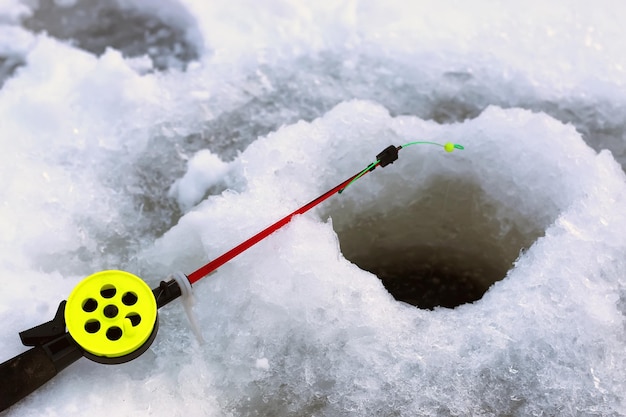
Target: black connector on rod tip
(388, 156)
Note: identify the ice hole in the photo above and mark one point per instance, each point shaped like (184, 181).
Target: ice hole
(445, 248)
(94, 26)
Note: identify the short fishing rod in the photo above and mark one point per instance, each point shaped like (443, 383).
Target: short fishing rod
(111, 316)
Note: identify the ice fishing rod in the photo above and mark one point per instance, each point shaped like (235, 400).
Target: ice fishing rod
(111, 316)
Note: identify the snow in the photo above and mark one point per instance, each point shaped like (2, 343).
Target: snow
(204, 170)
(178, 141)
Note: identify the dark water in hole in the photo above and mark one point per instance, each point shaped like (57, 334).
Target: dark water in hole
(435, 277)
(445, 248)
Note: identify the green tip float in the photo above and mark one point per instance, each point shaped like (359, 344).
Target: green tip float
(390, 154)
(111, 316)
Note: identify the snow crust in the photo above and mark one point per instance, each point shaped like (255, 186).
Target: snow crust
(159, 161)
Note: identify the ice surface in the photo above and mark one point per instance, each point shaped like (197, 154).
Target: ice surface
(204, 171)
(160, 32)
(151, 158)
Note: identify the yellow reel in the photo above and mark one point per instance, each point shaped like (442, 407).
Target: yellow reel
(112, 315)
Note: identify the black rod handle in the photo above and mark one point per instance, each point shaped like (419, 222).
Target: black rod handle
(23, 374)
(29, 370)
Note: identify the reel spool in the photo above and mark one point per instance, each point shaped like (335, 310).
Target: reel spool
(112, 316)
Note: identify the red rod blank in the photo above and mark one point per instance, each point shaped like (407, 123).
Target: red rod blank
(222, 259)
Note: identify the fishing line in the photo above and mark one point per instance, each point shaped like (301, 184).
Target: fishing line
(384, 158)
(448, 147)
